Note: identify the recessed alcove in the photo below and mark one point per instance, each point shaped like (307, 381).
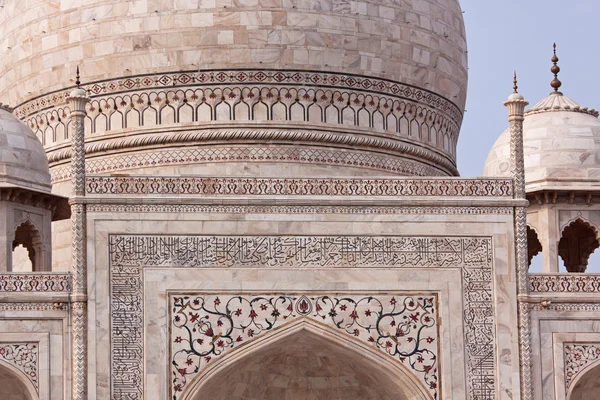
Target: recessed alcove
(306, 365)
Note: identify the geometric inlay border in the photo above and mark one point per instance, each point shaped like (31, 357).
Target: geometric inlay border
(129, 254)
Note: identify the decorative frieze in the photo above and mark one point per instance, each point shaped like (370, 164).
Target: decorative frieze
(564, 283)
(41, 306)
(129, 254)
(55, 282)
(24, 357)
(137, 185)
(208, 79)
(197, 154)
(299, 251)
(383, 119)
(243, 209)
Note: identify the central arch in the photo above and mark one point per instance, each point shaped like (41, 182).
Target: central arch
(586, 384)
(14, 385)
(306, 360)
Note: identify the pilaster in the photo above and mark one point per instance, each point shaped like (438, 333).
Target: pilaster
(79, 359)
(516, 115)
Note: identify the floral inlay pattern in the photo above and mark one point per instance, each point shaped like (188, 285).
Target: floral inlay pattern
(206, 326)
(578, 356)
(24, 357)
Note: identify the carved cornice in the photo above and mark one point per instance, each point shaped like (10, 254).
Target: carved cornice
(397, 147)
(57, 205)
(402, 166)
(564, 197)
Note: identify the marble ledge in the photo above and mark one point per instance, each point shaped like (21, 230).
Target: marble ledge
(267, 200)
(554, 298)
(34, 297)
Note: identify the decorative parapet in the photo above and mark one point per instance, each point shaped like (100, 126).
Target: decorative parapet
(564, 283)
(136, 185)
(13, 282)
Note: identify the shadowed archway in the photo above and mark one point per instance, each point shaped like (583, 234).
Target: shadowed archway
(534, 247)
(14, 385)
(578, 241)
(587, 385)
(306, 361)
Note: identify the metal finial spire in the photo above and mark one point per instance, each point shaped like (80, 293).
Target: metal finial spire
(556, 83)
(77, 82)
(515, 86)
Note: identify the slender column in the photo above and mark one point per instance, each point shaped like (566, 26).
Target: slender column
(79, 358)
(516, 115)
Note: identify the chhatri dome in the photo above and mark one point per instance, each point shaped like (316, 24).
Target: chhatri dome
(561, 142)
(23, 161)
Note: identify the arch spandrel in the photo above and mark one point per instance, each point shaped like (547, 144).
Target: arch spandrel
(306, 359)
(15, 384)
(400, 333)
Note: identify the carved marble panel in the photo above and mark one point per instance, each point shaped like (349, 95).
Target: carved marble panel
(204, 327)
(129, 254)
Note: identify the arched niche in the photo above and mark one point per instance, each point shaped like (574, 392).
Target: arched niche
(306, 360)
(586, 385)
(578, 241)
(27, 236)
(14, 385)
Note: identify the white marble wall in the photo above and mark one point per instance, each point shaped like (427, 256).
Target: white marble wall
(159, 281)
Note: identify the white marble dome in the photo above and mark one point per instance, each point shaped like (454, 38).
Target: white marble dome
(420, 43)
(561, 142)
(23, 161)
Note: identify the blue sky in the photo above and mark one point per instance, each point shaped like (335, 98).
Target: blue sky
(504, 35)
(508, 35)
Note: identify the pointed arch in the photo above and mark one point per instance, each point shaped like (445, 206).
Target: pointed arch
(404, 384)
(14, 382)
(534, 246)
(29, 236)
(586, 384)
(579, 239)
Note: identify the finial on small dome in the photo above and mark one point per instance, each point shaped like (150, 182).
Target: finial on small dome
(6, 107)
(515, 86)
(77, 82)
(556, 83)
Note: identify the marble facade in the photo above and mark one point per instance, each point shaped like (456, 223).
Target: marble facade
(264, 204)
